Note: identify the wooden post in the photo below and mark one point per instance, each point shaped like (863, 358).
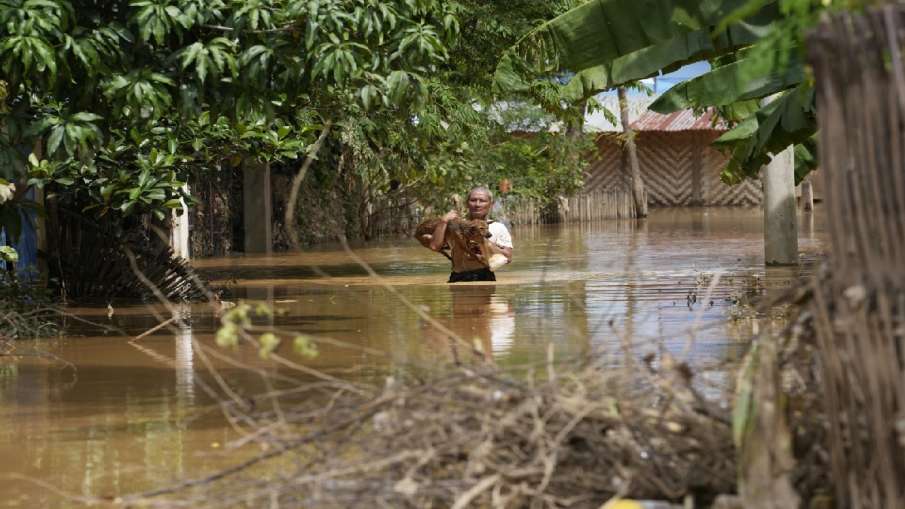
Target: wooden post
(41, 221)
(257, 206)
(780, 210)
(697, 170)
(807, 195)
(632, 149)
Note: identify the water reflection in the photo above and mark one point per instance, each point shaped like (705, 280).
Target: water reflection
(184, 366)
(502, 325)
(482, 318)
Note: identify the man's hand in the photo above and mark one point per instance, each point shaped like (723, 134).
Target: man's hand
(438, 240)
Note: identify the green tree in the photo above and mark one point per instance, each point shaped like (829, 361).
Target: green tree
(463, 135)
(130, 98)
(127, 100)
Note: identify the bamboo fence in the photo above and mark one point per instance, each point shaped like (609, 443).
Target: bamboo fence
(586, 207)
(859, 306)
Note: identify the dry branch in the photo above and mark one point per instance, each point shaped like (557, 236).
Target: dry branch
(476, 437)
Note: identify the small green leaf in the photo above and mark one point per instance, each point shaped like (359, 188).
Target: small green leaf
(304, 346)
(228, 335)
(53, 142)
(8, 254)
(269, 342)
(85, 116)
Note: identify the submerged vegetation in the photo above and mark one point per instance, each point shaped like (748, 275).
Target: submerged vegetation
(26, 311)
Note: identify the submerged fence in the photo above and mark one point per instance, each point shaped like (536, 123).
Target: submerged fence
(616, 203)
(859, 307)
(586, 207)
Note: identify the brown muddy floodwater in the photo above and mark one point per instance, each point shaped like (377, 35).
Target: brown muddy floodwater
(91, 415)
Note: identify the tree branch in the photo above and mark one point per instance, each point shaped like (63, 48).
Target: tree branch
(289, 217)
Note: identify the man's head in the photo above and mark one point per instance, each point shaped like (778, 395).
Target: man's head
(480, 199)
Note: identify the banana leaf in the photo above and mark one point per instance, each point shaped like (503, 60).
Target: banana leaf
(606, 43)
(752, 77)
(788, 120)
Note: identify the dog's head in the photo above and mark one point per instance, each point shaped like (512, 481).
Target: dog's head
(473, 234)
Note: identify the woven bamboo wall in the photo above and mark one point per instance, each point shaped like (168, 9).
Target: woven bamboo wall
(678, 168)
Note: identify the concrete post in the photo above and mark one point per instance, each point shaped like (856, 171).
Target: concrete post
(780, 210)
(257, 206)
(179, 234)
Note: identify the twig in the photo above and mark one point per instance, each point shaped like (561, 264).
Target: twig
(153, 329)
(482, 486)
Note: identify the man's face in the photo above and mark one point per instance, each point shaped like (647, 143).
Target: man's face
(478, 204)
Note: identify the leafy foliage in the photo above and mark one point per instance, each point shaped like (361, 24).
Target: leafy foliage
(236, 326)
(790, 119)
(121, 103)
(640, 40)
(185, 84)
(462, 134)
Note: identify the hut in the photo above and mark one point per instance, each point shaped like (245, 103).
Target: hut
(679, 165)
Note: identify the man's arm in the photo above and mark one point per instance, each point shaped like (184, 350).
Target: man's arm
(502, 241)
(439, 237)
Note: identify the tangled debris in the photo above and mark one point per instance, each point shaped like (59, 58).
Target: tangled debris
(475, 437)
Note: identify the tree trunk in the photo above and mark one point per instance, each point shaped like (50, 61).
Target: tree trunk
(574, 132)
(632, 150)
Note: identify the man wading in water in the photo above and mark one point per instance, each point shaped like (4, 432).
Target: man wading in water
(465, 266)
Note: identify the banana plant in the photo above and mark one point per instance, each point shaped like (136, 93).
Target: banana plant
(603, 44)
(755, 48)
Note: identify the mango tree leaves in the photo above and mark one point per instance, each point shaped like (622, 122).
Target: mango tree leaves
(77, 133)
(140, 93)
(215, 57)
(252, 66)
(156, 19)
(23, 55)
